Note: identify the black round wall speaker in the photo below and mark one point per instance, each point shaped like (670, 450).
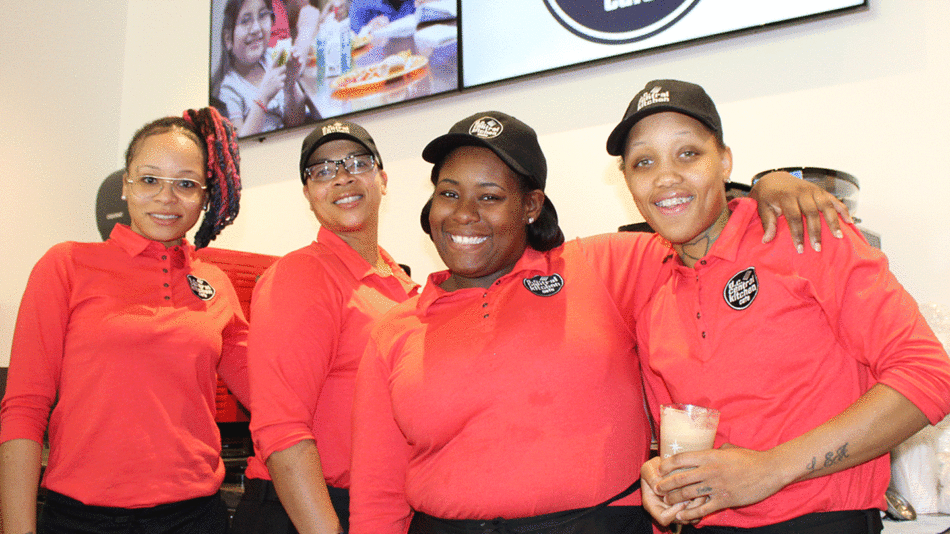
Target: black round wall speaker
(110, 208)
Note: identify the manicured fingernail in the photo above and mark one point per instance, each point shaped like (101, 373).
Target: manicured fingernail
(800, 248)
(839, 234)
(816, 246)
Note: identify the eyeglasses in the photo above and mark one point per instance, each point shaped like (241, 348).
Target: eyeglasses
(324, 171)
(264, 17)
(148, 186)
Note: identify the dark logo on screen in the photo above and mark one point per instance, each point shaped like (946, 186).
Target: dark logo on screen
(201, 288)
(618, 21)
(741, 289)
(544, 286)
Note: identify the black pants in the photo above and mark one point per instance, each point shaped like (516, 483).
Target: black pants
(63, 515)
(260, 511)
(845, 522)
(604, 520)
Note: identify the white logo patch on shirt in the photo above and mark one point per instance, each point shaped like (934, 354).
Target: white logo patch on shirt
(544, 286)
(741, 289)
(200, 287)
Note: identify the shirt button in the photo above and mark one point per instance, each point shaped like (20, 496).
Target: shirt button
(484, 305)
(485, 296)
(164, 270)
(698, 315)
(485, 316)
(702, 262)
(164, 257)
(166, 285)
(167, 297)
(704, 335)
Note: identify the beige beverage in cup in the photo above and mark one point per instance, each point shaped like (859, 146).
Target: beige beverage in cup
(685, 427)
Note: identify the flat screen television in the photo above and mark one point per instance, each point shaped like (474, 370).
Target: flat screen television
(505, 39)
(348, 56)
(279, 64)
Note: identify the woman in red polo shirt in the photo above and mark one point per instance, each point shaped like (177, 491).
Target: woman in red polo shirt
(818, 363)
(312, 312)
(506, 397)
(118, 346)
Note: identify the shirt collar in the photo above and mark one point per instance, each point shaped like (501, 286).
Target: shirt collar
(726, 247)
(356, 264)
(744, 212)
(137, 245)
(531, 261)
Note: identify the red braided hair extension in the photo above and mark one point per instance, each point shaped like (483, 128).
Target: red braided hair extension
(224, 179)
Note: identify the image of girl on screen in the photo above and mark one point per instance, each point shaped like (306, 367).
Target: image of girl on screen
(258, 85)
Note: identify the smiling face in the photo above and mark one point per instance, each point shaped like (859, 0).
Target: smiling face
(165, 217)
(348, 203)
(478, 217)
(251, 33)
(676, 171)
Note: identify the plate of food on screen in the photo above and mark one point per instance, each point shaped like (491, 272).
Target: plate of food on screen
(403, 65)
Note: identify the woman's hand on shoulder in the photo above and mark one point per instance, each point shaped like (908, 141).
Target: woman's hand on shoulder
(781, 194)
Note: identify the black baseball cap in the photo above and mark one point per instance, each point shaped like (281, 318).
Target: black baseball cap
(665, 95)
(513, 141)
(331, 130)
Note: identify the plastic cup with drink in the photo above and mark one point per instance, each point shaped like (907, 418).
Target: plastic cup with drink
(685, 427)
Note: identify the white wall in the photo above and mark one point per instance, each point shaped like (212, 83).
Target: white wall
(864, 93)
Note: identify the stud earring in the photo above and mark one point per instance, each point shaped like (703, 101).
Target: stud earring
(530, 220)
(123, 197)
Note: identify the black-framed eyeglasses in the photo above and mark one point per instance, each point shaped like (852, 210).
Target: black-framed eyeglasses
(324, 171)
(148, 186)
(264, 17)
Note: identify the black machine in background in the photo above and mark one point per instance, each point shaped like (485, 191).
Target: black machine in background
(110, 208)
(842, 185)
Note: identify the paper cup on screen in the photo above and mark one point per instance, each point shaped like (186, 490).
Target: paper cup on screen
(685, 427)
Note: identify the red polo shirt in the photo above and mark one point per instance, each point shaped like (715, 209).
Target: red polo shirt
(513, 401)
(311, 314)
(781, 342)
(128, 335)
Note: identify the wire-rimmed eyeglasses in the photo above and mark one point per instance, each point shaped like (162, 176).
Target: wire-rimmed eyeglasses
(148, 186)
(323, 171)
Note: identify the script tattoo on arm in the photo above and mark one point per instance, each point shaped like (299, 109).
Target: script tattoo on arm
(831, 458)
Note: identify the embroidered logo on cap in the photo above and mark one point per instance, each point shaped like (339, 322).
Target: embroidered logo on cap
(200, 287)
(544, 286)
(336, 127)
(741, 289)
(486, 128)
(653, 97)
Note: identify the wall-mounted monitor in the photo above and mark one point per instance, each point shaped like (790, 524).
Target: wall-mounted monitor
(506, 39)
(278, 64)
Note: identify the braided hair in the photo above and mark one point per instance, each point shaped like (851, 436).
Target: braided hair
(217, 139)
(224, 178)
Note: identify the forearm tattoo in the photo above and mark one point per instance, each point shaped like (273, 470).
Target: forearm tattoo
(831, 458)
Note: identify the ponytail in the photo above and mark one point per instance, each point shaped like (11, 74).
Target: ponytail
(219, 140)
